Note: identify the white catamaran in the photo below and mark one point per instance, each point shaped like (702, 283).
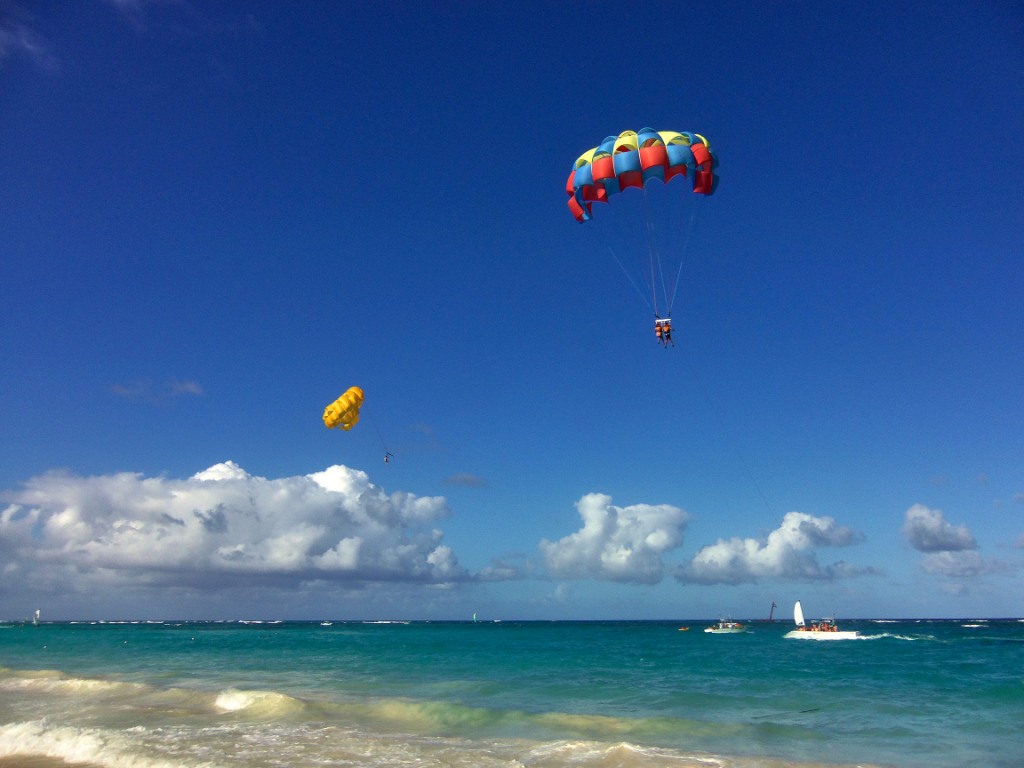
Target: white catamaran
(825, 629)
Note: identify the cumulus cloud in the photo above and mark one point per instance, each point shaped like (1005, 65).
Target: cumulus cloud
(224, 527)
(622, 544)
(927, 531)
(787, 552)
(960, 564)
(948, 550)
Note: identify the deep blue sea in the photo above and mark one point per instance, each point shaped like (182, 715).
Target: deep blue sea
(941, 694)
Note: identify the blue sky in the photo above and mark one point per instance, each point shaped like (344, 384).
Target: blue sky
(214, 219)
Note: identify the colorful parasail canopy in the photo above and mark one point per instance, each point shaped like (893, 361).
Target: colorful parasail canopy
(343, 413)
(633, 158)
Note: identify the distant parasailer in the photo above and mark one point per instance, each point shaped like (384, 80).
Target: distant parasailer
(343, 413)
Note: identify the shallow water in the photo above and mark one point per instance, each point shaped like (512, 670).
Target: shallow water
(907, 694)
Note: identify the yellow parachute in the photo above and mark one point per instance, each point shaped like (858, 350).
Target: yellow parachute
(343, 413)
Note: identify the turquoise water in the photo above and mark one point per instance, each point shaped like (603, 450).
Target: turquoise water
(908, 694)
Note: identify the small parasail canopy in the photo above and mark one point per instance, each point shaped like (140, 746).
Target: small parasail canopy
(343, 413)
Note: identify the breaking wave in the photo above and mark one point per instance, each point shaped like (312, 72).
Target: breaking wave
(92, 746)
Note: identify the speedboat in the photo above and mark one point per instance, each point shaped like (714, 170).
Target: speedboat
(725, 628)
(824, 629)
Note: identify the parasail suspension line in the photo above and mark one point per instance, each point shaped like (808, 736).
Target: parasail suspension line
(691, 228)
(654, 257)
(387, 454)
(629, 277)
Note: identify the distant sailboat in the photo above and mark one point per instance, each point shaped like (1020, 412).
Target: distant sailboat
(825, 629)
(35, 619)
(771, 612)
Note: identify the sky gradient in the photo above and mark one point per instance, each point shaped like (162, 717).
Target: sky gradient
(214, 219)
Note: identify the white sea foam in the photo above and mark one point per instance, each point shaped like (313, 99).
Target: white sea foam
(273, 745)
(623, 754)
(257, 622)
(79, 745)
(51, 681)
(891, 636)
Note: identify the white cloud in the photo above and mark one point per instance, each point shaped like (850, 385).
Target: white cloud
(927, 531)
(616, 543)
(958, 564)
(223, 527)
(788, 552)
(948, 550)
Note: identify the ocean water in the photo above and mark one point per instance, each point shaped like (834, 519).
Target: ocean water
(913, 694)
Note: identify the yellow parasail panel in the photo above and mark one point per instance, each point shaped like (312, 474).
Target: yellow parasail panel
(343, 413)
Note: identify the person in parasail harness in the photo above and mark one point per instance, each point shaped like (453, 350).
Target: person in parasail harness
(663, 330)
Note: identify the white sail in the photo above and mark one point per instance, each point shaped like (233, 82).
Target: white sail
(798, 614)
